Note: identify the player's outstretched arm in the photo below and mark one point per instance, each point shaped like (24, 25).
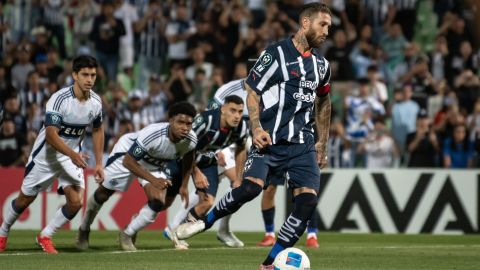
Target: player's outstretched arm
(323, 110)
(56, 142)
(98, 143)
(260, 137)
(131, 164)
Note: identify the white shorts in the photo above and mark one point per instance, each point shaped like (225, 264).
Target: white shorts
(229, 154)
(119, 178)
(40, 176)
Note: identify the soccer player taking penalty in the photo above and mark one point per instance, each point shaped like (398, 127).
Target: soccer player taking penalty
(289, 82)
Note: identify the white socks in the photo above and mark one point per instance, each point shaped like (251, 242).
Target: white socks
(92, 210)
(145, 217)
(56, 223)
(10, 218)
(182, 213)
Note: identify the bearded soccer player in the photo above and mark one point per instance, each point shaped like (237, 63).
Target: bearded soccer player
(289, 82)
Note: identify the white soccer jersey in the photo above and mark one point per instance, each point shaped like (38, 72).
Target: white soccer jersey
(151, 147)
(72, 117)
(237, 88)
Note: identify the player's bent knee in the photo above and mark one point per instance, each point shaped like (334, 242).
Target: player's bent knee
(102, 194)
(252, 189)
(156, 205)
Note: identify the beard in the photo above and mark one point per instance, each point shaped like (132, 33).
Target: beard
(312, 39)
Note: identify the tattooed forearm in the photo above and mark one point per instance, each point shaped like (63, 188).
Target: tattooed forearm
(322, 119)
(253, 104)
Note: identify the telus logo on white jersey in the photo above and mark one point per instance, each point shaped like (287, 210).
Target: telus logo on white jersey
(304, 97)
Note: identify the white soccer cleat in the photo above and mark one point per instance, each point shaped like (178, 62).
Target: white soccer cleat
(126, 242)
(189, 229)
(229, 239)
(82, 239)
(178, 244)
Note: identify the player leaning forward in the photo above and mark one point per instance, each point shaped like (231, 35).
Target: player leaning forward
(151, 154)
(55, 153)
(296, 78)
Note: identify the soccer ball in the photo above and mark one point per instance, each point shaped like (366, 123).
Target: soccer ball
(291, 259)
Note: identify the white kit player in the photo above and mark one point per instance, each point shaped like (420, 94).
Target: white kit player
(149, 155)
(56, 152)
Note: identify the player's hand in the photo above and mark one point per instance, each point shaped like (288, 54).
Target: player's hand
(221, 159)
(261, 138)
(183, 191)
(200, 180)
(161, 183)
(99, 174)
(79, 159)
(322, 158)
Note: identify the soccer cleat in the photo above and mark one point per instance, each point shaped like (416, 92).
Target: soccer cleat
(126, 242)
(189, 229)
(46, 244)
(267, 241)
(3, 243)
(82, 239)
(229, 239)
(312, 242)
(267, 267)
(178, 244)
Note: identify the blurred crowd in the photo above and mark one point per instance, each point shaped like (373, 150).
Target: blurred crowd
(405, 73)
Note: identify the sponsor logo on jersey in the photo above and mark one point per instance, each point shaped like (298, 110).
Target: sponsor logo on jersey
(304, 97)
(71, 131)
(309, 84)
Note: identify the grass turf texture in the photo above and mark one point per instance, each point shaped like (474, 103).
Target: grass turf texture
(337, 251)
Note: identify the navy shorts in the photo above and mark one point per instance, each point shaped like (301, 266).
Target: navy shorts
(173, 170)
(298, 162)
(211, 172)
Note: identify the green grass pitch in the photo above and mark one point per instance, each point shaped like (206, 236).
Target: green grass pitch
(337, 251)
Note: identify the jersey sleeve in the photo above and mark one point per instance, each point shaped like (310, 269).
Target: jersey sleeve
(139, 148)
(242, 140)
(53, 112)
(324, 87)
(98, 120)
(214, 104)
(200, 125)
(266, 71)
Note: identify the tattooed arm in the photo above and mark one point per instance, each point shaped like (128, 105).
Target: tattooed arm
(322, 123)
(260, 137)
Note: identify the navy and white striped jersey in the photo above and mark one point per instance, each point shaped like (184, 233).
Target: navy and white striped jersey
(212, 138)
(72, 117)
(151, 146)
(288, 83)
(235, 87)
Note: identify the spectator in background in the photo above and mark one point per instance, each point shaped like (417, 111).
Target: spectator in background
(41, 67)
(178, 84)
(468, 90)
(361, 110)
(22, 67)
(179, 30)
(341, 67)
(392, 44)
(379, 147)
(158, 99)
(13, 146)
(404, 116)
(458, 150)
(362, 52)
(106, 33)
(83, 14)
(200, 90)
(421, 80)
(439, 59)
(129, 16)
(422, 145)
(39, 38)
(54, 69)
(205, 39)
(135, 112)
(406, 16)
(338, 144)
(12, 110)
(53, 17)
(198, 57)
(378, 87)
(246, 47)
(153, 43)
(33, 92)
(379, 15)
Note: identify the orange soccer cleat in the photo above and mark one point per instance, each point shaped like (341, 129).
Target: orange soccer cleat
(268, 241)
(3, 243)
(46, 244)
(312, 242)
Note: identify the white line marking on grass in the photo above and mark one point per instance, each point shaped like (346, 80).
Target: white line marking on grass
(125, 252)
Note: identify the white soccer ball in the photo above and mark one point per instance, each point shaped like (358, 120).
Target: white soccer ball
(291, 259)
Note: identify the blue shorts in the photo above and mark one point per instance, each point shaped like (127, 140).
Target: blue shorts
(173, 170)
(298, 162)
(211, 172)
